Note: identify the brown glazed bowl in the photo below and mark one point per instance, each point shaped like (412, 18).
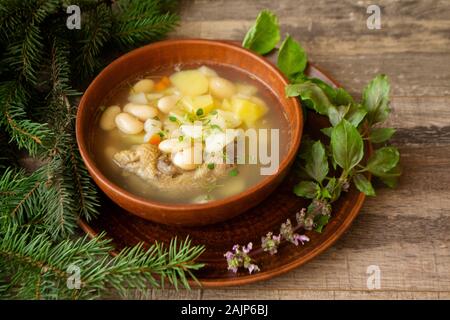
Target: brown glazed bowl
(170, 53)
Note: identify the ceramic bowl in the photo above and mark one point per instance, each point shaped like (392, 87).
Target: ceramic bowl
(171, 53)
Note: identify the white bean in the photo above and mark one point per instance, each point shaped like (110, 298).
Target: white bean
(151, 124)
(168, 103)
(173, 145)
(139, 98)
(221, 88)
(154, 96)
(140, 111)
(168, 145)
(128, 124)
(187, 159)
(144, 85)
(217, 141)
(207, 71)
(107, 119)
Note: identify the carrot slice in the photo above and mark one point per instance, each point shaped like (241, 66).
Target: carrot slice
(162, 84)
(155, 139)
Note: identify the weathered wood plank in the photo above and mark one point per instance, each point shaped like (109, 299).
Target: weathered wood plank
(173, 294)
(412, 46)
(337, 36)
(329, 25)
(244, 294)
(200, 10)
(418, 112)
(411, 74)
(319, 294)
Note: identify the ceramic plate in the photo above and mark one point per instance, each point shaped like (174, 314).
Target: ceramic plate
(126, 229)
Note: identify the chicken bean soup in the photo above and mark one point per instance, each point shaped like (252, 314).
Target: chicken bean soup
(190, 135)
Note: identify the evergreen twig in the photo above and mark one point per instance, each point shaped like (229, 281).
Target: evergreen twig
(43, 268)
(39, 210)
(24, 132)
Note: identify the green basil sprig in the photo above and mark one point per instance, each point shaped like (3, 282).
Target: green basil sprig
(326, 169)
(351, 123)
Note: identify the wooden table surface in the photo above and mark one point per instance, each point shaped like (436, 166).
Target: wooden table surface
(406, 231)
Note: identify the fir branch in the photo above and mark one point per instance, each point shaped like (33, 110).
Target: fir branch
(60, 70)
(25, 53)
(93, 37)
(26, 133)
(83, 188)
(60, 216)
(43, 197)
(38, 208)
(36, 256)
(75, 173)
(44, 266)
(12, 17)
(20, 195)
(137, 22)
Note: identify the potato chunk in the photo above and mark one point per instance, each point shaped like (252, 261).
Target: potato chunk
(248, 111)
(193, 104)
(190, 82)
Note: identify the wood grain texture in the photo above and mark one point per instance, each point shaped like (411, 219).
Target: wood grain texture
(406, 231)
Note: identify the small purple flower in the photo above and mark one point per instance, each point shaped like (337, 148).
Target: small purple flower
(229, 255)
(300, 217)
(253, 267)
(300, 238)
(232, 261)
(270, 243)
(287, 232)
(248, 248)
(240, 258)
(234, 269)
(318, 207)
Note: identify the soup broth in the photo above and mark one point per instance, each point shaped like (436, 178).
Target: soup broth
(148, 136)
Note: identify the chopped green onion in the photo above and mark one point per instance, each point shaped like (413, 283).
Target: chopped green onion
(173, 118)
(180, 138)
(234, 172)
(215, 126)
(199, 112)
(211, 166)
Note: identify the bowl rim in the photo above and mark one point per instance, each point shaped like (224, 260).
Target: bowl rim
(295, 139)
